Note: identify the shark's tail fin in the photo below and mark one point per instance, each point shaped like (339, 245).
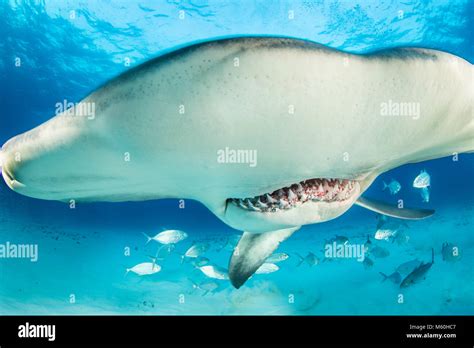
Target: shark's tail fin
(384, 185)
(385, 277)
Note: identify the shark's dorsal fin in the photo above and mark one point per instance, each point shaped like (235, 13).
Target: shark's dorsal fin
(387, 209)
(252, 251)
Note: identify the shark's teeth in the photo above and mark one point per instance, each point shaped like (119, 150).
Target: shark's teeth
(270, 199)
(241, 204)
(317, 190)
(283, 204)
(251, 206)
(300, 188)
(291, 195)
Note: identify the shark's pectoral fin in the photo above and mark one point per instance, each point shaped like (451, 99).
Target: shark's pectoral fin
(386, 209)
(252, 251)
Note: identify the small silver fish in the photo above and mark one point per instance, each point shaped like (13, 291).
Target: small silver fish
(394, 186)
(168, 237)
(215, 272)
(423, 180)
(385, 234)
(196, 250)
(267, 268)
(145, 268)
(310, 259)
(277, 257)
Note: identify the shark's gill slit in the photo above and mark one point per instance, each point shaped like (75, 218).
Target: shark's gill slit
(7, 174)
(316, 190)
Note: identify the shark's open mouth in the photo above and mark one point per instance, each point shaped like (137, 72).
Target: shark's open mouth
(315, 190)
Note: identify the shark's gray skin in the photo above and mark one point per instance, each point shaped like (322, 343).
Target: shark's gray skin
(308, 113)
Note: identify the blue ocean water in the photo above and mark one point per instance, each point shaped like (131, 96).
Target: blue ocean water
(62, 50)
